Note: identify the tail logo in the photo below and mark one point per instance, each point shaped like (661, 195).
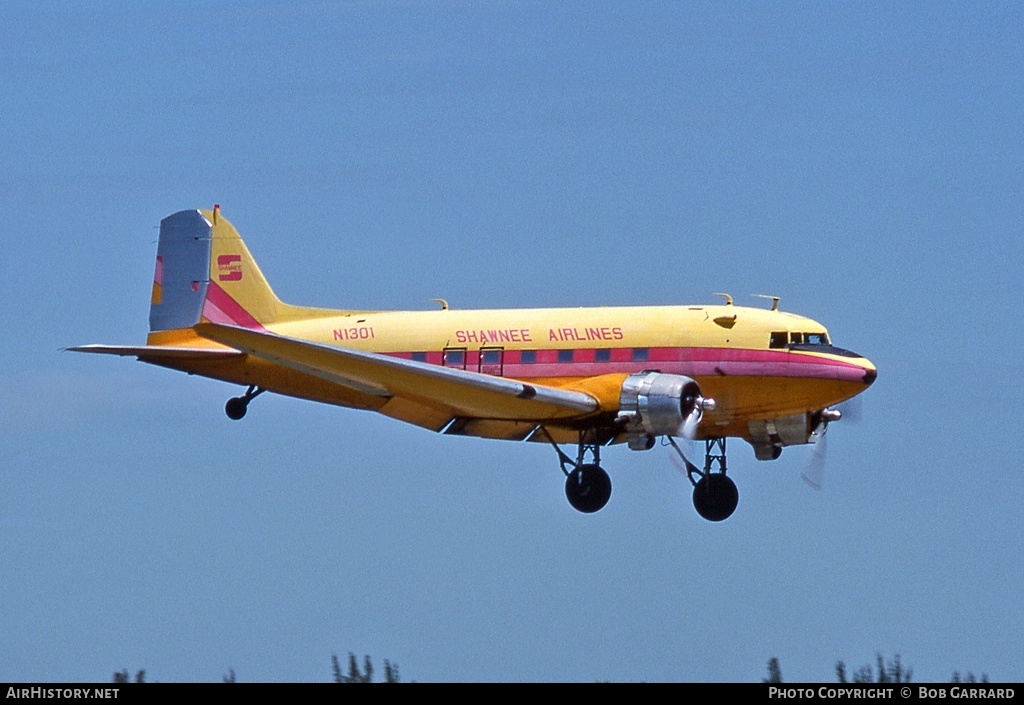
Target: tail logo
(229, 268)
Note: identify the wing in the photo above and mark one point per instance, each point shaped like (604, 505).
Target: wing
(443, 391)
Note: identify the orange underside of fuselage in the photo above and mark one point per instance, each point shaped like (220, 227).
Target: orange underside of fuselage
(739, 398)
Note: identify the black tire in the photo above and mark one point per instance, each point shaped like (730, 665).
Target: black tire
(588, 488)
(236, 408)
(715, 497)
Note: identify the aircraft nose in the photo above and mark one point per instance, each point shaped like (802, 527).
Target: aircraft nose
(870, 372)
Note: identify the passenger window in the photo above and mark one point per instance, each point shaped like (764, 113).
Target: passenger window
(492, 357)
(419, 356)
(528, 357)
(639, 354)
(565, 355)
(602, 355)
(778, 340)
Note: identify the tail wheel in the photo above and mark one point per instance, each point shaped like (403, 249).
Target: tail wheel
(237, 406)
(588, 488)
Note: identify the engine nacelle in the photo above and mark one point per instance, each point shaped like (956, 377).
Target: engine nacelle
(657, 404)
(769, 436)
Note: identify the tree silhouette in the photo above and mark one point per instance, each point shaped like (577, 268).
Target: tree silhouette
(774, 672)
(364, 675)
(891, 672)
(122, 676)
(969, 678)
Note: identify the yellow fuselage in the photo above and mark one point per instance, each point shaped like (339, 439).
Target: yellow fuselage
(743, 358)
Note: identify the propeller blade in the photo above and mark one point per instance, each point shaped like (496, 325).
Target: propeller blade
(675, 461)
(686, 467)
(815, 470)
(689, 428)
(852, 409)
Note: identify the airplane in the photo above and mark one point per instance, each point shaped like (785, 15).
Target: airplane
(583, 377)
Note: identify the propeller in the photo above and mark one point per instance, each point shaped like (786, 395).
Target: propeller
(688, 432)
(688, 429)
(815, 470)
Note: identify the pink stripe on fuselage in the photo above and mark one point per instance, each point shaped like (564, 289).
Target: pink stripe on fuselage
(693, 362)
(768, 363)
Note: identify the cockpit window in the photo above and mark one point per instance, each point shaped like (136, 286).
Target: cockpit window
(819, 343)
(782, 339)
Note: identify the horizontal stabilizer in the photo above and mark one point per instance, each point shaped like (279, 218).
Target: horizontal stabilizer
(158, 351)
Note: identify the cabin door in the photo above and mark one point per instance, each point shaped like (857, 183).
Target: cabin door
(492, 361)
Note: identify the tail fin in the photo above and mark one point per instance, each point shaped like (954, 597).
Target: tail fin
(204, 272)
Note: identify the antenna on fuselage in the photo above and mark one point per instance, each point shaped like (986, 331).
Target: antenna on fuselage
(727, 297)
(775, 300)
(444, 304)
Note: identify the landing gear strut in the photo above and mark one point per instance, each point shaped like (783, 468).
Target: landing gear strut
(587, 485)
(237, 406)
(714, 494)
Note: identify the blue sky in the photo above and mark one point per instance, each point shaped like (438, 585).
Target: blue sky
(863, 161)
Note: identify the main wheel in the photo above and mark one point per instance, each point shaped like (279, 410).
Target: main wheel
(588, 488)
(715, 497)
(236, 408)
